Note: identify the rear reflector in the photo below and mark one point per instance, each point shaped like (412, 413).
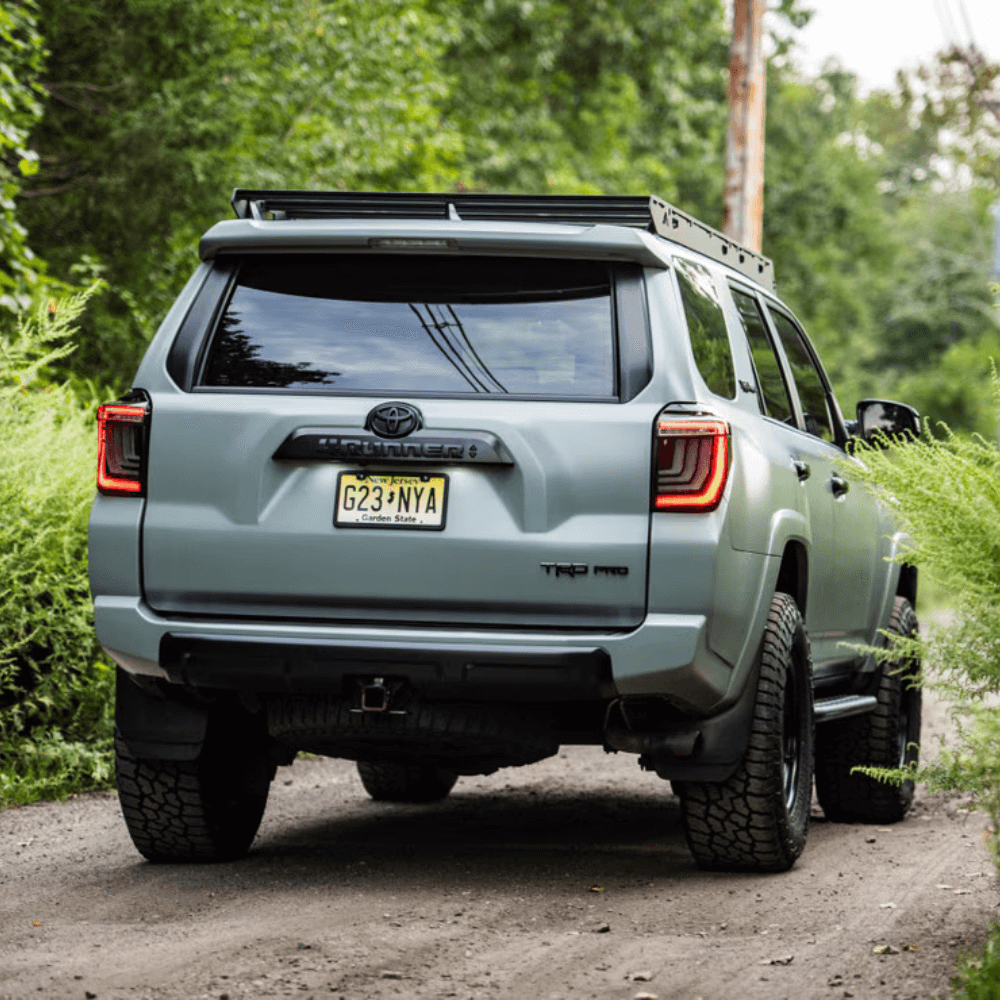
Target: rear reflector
(121, 446)
(692, 464)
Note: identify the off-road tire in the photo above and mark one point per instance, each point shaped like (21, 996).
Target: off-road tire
(758, 818)
(461, 738)
(207, 809)
(405, 782)
(887, 737)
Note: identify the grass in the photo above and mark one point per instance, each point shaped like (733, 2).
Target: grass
(978, 977)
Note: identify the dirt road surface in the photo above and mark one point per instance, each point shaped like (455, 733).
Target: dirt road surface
(569, 879)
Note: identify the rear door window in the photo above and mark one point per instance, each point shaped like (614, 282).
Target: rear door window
(808, 380)
(773, 391)
(417, 324)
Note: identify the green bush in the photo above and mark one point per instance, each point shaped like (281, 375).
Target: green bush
(944, 489)
(55, 689)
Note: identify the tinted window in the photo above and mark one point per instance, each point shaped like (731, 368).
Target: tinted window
(812, 392)
(397, 324)
(773, 390)
(707, 326)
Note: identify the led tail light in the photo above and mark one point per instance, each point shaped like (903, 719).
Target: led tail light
(692, 463)
(121, 449)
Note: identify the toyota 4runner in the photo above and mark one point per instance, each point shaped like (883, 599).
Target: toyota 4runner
(438, 483)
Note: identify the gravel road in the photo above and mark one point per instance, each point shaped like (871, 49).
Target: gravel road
(568, 879)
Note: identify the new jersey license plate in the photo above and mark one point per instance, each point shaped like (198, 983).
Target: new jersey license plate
(378, 500)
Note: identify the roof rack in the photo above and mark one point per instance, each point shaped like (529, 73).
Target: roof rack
(639, 211)
(673, 224)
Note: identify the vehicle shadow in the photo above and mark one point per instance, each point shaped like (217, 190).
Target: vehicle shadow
(486, 835)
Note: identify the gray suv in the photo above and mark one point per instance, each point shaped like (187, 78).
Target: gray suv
(440, 482)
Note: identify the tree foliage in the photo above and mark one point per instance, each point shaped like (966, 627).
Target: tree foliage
(156, 109)
(22, 54)
(880, 242)
(605, 96)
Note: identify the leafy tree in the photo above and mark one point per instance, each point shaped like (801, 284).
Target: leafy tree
(157, 108)
(883, 254)
(962, 103)
(825, 224)
(22, 55)
(609, 95)
(941, 323)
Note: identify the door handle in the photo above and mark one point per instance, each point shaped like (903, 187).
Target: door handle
(802, 470)
(839, 485)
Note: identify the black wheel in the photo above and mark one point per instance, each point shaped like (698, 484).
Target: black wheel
(886, 737)
(405, 782)
(206, 809)
(757, 819)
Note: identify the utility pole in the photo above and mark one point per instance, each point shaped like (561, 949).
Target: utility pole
(743, 217)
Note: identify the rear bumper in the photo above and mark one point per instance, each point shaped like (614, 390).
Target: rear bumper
(666, 655)
(437, 670)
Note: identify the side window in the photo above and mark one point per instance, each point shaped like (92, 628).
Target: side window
(707, 325)
(777, 403)
(808, 381)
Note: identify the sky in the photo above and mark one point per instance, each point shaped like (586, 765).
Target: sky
(874, 38)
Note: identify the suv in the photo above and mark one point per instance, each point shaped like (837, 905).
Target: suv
(439, 482)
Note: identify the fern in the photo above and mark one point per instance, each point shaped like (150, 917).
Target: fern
(944, 490)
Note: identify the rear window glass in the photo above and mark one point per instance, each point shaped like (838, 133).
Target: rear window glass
(707, 327)
(379, 323)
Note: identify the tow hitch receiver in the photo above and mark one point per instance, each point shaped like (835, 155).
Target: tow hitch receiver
(376, 696)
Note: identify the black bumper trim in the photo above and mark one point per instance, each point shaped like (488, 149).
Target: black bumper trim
(479, 673)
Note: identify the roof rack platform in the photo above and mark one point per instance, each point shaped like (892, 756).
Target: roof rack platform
(638, 211)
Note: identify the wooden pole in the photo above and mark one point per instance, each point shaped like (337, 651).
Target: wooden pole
(743, 217)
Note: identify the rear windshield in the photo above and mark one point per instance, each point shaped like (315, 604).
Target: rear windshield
(418, 324)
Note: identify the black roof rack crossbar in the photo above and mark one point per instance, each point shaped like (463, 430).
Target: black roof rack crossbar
(627, 210)
(639, 211)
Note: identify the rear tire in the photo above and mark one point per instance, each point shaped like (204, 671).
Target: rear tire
(887, 737)
(207, 809)
(758, 818)
(405, 782)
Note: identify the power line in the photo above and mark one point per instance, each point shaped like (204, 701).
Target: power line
(963, 10)
(948, 27)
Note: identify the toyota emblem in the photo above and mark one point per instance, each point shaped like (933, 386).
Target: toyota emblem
(394, 420)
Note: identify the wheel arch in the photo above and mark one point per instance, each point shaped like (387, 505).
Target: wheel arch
(906, 585)
(793, 574)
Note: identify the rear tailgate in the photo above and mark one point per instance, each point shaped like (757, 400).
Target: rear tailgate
(545, 515)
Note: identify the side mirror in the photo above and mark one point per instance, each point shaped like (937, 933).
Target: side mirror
(879, 419)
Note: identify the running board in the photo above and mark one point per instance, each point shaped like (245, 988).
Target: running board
(843, 705)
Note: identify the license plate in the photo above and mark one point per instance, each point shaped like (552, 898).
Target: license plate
(377, 500)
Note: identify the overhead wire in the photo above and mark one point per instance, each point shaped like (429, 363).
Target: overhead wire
(963, 10)
(948, 27)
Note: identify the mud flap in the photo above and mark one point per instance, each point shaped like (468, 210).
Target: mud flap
(155, 727)
(711, 749)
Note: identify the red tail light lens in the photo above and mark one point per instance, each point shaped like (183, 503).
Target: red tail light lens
(121, 449)
(692, 464)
